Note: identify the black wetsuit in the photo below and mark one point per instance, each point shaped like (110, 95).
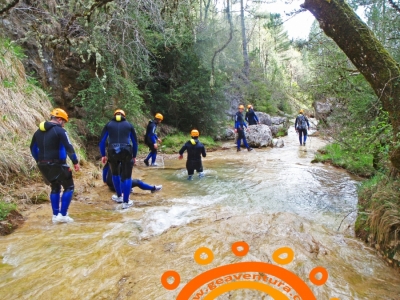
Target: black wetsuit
(150, 139)
(107, 178)
(239, 125)
(251, 117)
(50, 147)
(195, 151)
(120, 152)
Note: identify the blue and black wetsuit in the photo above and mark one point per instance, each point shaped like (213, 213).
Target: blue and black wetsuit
(50, 147)
(239, 126)
(151, 139)
(301, 124)
(107, 178)
(251, 117)
(122, 147)
(195, 151)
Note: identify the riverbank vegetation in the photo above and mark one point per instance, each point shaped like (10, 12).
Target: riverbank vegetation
(23, 106)
(362, 125)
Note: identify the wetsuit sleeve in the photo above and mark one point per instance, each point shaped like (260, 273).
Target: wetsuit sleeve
(308, 124)
(103, 139)
(247, 116)
(34, 149)
(183, 149)
(256, 118)
(295, 123)
(203, 152)
(64, 139)
(134, 142)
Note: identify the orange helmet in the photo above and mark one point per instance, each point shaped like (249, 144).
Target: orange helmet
(119, 111)
(249, 106)
(301, 111)
(159, 116)
(241, 106)
(59, 113)
(194, 132)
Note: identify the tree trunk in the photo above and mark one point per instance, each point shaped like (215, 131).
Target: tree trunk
(246, 67)
(368, 55)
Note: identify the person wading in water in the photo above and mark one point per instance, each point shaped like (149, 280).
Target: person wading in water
(151, 139)
(50, 147)
(301, 124)
(239, 128)
(195, 151)
(121, 154)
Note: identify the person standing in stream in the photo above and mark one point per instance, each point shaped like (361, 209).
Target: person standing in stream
(121, 154)
(195, 151)
(50, 147)
(251, 116)
(240, 124)
(301, 124)
(151, 139)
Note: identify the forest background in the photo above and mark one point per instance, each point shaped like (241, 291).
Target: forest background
(195, 61)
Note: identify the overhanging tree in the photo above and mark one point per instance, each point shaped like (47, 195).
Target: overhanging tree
(368, 55)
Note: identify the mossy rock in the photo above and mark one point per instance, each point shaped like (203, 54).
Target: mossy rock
(13, 220)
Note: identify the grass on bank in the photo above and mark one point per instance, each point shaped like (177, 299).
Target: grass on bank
(173, 143)
(6, 208)
(378, 219)
(358, 162)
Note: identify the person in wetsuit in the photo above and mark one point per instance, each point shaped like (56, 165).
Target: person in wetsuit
(240, 124)
(301, 124)
(50, 147)
(195, 151)
(107, 178)
(151, 139)
(121, 154)
(251, 116)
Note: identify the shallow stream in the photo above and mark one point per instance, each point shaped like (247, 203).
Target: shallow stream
(269, 198)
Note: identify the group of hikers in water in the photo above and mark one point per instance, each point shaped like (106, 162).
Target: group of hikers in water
(118, 145)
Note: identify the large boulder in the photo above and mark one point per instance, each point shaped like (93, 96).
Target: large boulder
(279, 124)
(323, 108)
(259, 136)
(279, 120)
(275, 124)
(278, 143)
(264, 118)
(229, 134)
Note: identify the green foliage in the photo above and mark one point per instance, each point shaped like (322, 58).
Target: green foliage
(356, 161)
(8, 83)
(173, 143)
(6, 208)
(11, 46)
(101, 98)
(31, 85)
(185, 97)
(357, 120)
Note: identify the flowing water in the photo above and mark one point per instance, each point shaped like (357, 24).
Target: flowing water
(269, 198)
